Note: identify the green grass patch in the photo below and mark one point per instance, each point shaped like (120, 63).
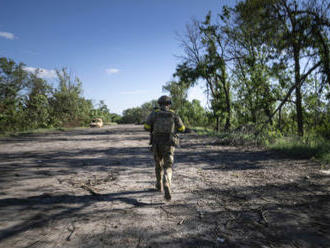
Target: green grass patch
(204, 131)
(230, 138)
(310, 148)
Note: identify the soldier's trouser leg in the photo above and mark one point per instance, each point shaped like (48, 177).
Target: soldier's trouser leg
(168, 155)
(159, 161)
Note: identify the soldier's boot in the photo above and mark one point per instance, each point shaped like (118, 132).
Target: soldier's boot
(159, 186)
(159, 175)
(167, 183)
(167, 190)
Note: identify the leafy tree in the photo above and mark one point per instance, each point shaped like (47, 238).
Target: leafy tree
(68, 106)
(178, 93)
(115, 118)
(102, 112)
(273, 58)
(138, 115)
(204, 59)
(288, 28)
(13, 80)
(252, 74)
(133, 115)
(37, 108)
(192, 113)
(215, 68)
(28, 101)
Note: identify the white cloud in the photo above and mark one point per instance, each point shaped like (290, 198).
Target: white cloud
(7, 35)
(43, 73)
(111, 71)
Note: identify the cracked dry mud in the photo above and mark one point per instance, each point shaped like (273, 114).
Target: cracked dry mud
(94, 188)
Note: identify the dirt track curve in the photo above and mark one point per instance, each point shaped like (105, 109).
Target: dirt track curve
(94, 188)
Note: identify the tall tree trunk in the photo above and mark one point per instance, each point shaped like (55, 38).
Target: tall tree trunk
(217, 128)
(280, 119)
(254, 115)
(228, 124)
(226, 90)
(269, 115)
(299, 112)
(299, 108)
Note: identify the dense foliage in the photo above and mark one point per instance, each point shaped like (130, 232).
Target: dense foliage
(138, 115)
(269, 69)
(30, 102)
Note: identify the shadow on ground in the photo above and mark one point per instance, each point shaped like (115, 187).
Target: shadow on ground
(292, 214)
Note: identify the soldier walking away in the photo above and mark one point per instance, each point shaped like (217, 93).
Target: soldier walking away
(164, 124)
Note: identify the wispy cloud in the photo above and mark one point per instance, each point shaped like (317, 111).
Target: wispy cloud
(111, 71)
(7, 35)
(134, 92)
(43, 73)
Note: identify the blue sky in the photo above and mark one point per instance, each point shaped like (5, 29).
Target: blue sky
(123, 51)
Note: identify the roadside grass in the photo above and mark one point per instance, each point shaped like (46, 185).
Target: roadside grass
(234, 138)
(308, 147)
(45, 130)
(32, 131)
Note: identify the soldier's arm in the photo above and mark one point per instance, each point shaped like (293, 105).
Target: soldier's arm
(148, 122)
(179, 124)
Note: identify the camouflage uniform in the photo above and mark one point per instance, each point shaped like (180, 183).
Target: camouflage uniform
(164, 124)
(150, 138)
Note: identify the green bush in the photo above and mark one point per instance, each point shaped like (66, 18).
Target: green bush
(309, 147)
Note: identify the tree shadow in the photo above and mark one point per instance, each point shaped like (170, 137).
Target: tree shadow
(273, 215)
(143, 237)
(32, 165)
(46, 205)
(225, 160)
(291, 216)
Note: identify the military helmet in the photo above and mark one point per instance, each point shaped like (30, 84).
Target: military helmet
(164, 100)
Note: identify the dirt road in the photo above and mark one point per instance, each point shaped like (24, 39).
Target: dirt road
(95, 188)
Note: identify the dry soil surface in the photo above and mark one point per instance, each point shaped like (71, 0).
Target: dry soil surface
(95, 188)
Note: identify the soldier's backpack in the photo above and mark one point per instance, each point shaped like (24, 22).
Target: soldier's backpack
(164, 128)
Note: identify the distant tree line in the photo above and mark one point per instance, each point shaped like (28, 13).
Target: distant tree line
(28, 101)
(263, 63)
(192, 113)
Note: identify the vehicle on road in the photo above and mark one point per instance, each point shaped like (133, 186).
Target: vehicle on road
(96, 122)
